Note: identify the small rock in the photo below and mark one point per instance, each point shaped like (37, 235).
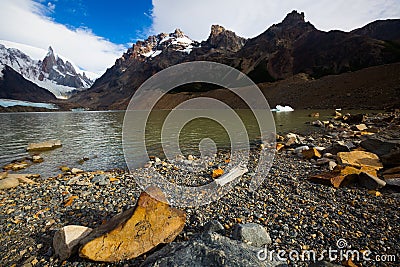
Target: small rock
(323, 161)
(64, 169)
(332, 165)
(37, 159)
(217, 173)
(311, 153)
(300, 149)
(66, 240)
(9, 182)
(101, 179)
(291, 139)
(213, 226)
(76, 171)
(317, 123)
(361, 127)
(252, 233)
(279, 146)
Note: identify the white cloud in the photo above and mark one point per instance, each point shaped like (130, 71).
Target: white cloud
(26, 22)
(51, 6)
(252, 17)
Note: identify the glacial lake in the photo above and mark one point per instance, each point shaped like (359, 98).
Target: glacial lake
(98, 136)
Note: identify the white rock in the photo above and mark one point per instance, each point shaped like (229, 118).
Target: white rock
(300, 149)
(76, 170)
(66, 240)
(332, 165)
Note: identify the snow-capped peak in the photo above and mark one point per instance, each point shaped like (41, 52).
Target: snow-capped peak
(157, 44)
(51, 71)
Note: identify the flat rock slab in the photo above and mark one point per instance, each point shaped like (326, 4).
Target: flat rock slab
(47, 145)
(9, 182)
(360, 159)
(134, 232)
(340, 176)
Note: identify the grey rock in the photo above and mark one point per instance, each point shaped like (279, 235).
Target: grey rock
(317, 123)
(339, 146)
(66, 240)
(213, 226)
(101, 179)
(391, 159)
(379, 145)
(299, 149)
(207, 249)
(370, 181)
(252, 233)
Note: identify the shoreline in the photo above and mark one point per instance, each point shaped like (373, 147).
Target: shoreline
(297, 213)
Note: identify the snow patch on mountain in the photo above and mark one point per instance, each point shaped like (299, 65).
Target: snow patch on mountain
(48, 70)
(157, 44)
(37, 53)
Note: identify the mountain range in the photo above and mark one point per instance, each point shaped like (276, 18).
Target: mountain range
(285, 49)
(292, 55)
(53, 73)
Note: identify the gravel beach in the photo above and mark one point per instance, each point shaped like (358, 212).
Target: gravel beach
(297, 213)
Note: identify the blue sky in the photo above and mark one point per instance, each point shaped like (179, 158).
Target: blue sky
(119, 21)
(94, 33)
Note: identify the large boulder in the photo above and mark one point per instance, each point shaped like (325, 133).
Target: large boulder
(134, 232)
(207, 249)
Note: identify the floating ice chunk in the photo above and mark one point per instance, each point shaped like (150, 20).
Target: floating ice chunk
(280, 108)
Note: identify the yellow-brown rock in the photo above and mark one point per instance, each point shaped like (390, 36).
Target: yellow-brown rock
(47, 145)
(360, 159)
(217, 173)
(340, 176)
(311, 153)
(134, 232)
(279, 146)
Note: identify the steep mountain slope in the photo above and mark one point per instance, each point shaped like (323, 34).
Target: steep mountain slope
(285, 49)
(14, 86)
(387, 30)
(294, 46)
(52, 72)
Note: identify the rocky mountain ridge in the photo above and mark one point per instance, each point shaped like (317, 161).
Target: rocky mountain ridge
(285, 49)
